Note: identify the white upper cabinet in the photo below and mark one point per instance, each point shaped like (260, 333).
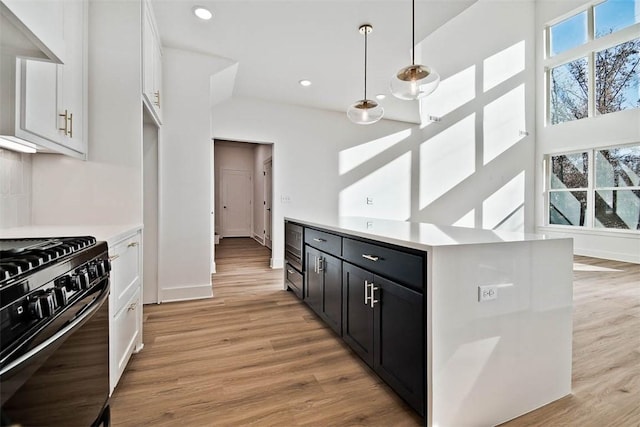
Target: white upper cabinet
(52, 98)
(40, 23)
(151, 64)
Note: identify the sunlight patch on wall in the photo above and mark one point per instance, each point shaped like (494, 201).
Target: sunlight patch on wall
(503, 65)
(453, 92)
(504, 209)
(446, 160)
(353, 157)
(504, 119)
(468, 220)
(389, 189)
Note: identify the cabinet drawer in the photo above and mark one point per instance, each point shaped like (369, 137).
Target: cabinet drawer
(125, 270)
(124, 331)
(294, 280)
(326, 242)
(396, 265)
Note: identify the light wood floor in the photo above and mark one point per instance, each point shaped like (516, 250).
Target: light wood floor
(255, 355)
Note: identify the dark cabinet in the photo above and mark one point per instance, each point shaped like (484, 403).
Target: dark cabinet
(383, 322)
(323, 290)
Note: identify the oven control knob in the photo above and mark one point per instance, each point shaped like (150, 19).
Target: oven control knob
(64, 282)
(48, 303)
(62, 295)
(103, 266)
(93, 270)
(35, 309)
(83, 279)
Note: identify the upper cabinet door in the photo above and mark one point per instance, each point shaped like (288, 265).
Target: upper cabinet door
(151, 65)
(42, 22)
(52, 98)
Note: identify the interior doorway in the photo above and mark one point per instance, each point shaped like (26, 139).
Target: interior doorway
(242, 192)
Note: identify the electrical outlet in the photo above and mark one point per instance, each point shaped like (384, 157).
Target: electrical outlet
(487, 293)
(285, 199)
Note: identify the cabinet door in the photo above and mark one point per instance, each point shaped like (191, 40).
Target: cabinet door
(73, 74)
(331, 269)
(399, 340)
(357, 315)
(52, 97)
(314, 279)
(40, 96)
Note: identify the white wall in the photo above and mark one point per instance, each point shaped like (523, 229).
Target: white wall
(472, 168)
(610, 129)
(185, 175)
(15, 189)
(107, 188)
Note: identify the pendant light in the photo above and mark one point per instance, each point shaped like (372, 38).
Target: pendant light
(365, 111)
(414, 81)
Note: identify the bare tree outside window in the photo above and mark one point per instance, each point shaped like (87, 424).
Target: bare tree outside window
(617, 83)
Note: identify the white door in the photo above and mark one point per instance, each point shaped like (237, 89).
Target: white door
(267, 202)
(236, 203)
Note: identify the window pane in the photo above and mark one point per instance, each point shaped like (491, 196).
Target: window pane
(618, 167)
(570, 171)
(618, 77)
(618, 209)
(567, 207)
(569, 91)
(614, 15)
(568, 34)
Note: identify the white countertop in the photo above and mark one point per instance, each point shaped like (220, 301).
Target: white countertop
(421, 236)
(109, 233)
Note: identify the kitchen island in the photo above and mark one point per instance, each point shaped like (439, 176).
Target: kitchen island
(471, 327)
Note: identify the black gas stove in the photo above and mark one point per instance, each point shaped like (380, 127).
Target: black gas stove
(54, 321)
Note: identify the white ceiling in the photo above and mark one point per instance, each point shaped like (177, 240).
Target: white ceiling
(278, 43)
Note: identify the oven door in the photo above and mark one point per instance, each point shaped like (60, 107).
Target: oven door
(64, 380)
(293, 245)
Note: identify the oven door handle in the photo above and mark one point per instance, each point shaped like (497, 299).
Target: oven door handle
(70, 328)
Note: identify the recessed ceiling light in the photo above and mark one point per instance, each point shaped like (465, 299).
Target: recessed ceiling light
(305, 83)
(381, 96)
(202, 13)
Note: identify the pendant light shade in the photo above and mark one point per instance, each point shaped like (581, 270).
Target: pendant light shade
(365, 111)
(414, 81)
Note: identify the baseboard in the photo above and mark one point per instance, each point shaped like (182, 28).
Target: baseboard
(615, 256)
(185, 293)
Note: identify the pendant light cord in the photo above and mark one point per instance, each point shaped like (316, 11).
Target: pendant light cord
(365, 63)
(413, 32)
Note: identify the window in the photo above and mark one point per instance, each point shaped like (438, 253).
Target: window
(593, 61)
(596, 188)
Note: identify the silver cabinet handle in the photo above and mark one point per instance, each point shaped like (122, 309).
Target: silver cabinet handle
(371, 298)
(290, 271)
(320, 264)
(370, 257)
(366, 292)
(132, 306)
(132, 244)
(113, 257)
(319, 240)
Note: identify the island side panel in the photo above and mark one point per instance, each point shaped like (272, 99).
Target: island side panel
(495, 360)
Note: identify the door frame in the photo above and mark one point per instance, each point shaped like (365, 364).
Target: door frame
(267, 182)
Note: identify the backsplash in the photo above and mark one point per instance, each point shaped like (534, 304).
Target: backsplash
(15, 188)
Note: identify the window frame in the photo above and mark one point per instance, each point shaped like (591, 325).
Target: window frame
(589, 49)
(590, 218)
